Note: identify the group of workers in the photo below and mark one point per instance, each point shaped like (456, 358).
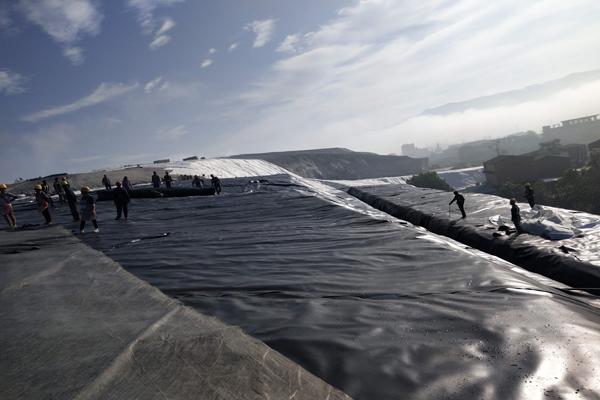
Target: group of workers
(515, 212)
(85, 209)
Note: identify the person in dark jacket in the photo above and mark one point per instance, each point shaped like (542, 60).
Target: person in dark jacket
(71, 199)
(155, 180)
(87, 205)
(106, 182)
(460, 202)
(126, 183)
(197, 182)
(167, 179)
(121, 199)
(59, 190)
(515, 215)
(529, 195)
(43, 201)
(216, 183)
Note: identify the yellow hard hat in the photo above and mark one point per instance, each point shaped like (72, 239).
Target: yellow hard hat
(3, 186)
(85, 189)
(38, 187)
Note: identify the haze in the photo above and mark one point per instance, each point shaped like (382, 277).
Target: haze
(87, 84)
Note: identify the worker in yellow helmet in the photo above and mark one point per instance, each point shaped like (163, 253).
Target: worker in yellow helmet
(43, 200)
(87, 207)
(6, 200)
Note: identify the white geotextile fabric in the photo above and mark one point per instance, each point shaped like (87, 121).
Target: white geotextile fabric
(550, 223)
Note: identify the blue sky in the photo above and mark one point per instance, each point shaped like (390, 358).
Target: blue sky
(86, 84)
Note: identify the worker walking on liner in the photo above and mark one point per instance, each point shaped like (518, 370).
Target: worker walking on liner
(126, 183)
(515, 215)
(6, 200)
(155, 180)
(43, 201)
(71, 198)
(59, 190)
(121, 199)
(87, 205)
(106, 182)
(460, 202)
(529, 195)
(167, 179)
(216, 183)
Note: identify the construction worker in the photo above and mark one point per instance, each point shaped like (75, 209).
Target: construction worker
(155, 180)
(106, 182)
(529, 195)
(71, 199)
(515, 215)
(59, 190)
(167, 179)
(6, 200)
(216, 183)
(43, 201)
(87, 205)
(460, 202)
(121, 199)
(126, 183)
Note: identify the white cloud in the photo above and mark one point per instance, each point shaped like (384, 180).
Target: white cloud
(166, 26)
(206, 63)
(232, 47)
(212, 50)
(103, 93)
(145, 10)
(75, 54)
(171, 133)
(289, 43)
(156, 85)
(263, 30)
(11, 82)
(66, 21)
(159, 41)
(356, 79)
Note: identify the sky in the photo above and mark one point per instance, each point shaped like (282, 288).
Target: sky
(89, 84)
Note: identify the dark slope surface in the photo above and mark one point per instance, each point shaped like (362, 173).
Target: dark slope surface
(376, 308)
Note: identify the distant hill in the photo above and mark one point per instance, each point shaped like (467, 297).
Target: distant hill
(340, 163)
(528, 93)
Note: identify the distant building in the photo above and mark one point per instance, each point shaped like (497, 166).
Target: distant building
(581, 130)
(412, 151)
(163, 161)
(594, 146)
(551, 160)
(524, 168)
(192, 158)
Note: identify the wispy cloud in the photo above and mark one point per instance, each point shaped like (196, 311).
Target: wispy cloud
(262, 29)
(212, 50)
(66, 21)
(289, 43)
(11, 82)
(232, 47)
(206, 63)
(145, 10)
(103, 93)
(356, 79)
(159, 41)
(156, 85)
(166, 26)
(173, 133)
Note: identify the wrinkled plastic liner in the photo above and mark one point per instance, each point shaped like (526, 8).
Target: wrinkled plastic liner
(569, 261)
(378, 309)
